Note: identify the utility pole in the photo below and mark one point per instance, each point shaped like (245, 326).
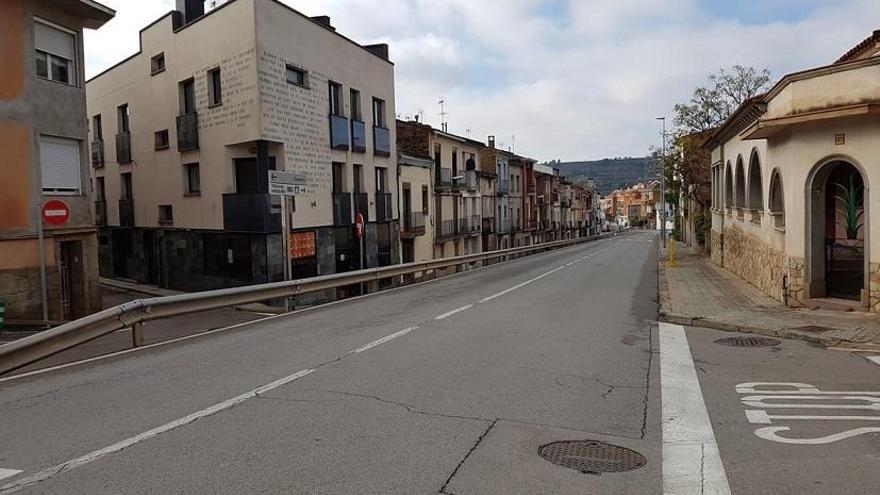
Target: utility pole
(663, 186)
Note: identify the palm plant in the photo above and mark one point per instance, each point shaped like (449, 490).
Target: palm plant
(850, 200)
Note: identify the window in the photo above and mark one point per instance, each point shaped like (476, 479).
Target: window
(122, 118)
(161, 140)
(438, 157)
(297, 76)
(166, 214)
(193, 180)
(335, 98)
(187, 94)
(215, 94)
(338, 175)
(100, 189)
(355, 97)
(381, 179)
(454, 162)
(125, 189)
(55, 53)
(358, 176)
(157, 64)
(425, 200)
(60, 165)
(97, 128)
(379, 113)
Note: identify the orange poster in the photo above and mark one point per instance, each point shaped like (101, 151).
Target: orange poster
(302, 245)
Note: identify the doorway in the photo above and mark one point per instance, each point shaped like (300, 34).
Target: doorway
(836, 221)
(72, 278)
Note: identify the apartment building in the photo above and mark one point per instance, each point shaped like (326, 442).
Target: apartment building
(546, 199)
(495, 162)
(185, 132)
(43, 135)
(457, 215)
(416, 210)
(518, 234)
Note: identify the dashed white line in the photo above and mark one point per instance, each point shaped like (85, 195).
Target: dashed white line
(387, 338)
(520, 285)
(454, 311)
(691, 459)
(116, 447)
(8, 473)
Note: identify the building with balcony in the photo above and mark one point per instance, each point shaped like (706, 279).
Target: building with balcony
(457, 201)
(199, 121)
(496, 162)
(46, 156)
(416, 208)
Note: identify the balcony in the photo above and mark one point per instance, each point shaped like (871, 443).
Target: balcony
(446, 229)
(358, 136)
(126, 213)
(342, 209)
(362, 205)
(502, 225)
(250, 213)
(123, 148)
(188, 131)
(475, 224)
(97, 153)
(532, 225)
(413, 225)
(488, 225)
(384, 207)
(381, 141)
(443, 177)
(530, 187)
(100, 213)
(503, 186)
(339, 132)
(470, 180)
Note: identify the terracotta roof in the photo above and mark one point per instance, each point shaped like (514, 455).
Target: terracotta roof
(858, 50)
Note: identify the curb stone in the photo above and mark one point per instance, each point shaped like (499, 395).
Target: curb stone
(696, 321)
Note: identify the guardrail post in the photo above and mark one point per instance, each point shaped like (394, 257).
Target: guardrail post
(137, 334)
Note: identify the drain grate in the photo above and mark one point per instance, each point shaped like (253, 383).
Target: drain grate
(748, 342)
(592, 456)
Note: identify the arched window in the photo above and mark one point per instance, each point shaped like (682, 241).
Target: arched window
(777, 199)
(740, 184)
(728, 186)
(756, 185)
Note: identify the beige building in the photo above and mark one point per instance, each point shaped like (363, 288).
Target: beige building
(791, 174)
(186, 130)
(416, 210)
(43, 134)
(495, 166)
(457, 208)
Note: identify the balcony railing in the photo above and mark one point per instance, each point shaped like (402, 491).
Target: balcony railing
(470, 180)
(503, 186)
(443, 177)
(250, 213)
(358, 136)
(188, 131)
(362, 205)
(339, 132)
(384, 207)
(381, 141)
(123, 148)
(101, 213)
(502, 225)
(413, 224)
(342, 209)
(475, 224)
(446, 229)
(126, 213)
(530, 187)
(532, 225)
(97, 153)
(488, 224)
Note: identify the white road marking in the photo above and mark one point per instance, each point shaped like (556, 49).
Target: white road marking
(387, 338)
(691, 460)
(8, 473)
(770, 433)
(758, 417)
(519, 286)
(116, 447)
(874, 359)
(454, 311)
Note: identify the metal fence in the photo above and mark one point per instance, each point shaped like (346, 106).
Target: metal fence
(134, 314)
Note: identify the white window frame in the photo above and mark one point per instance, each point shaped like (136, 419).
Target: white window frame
(71, 64)
(72, 191)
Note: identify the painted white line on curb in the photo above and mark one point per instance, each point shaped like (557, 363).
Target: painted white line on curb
(116, 447)
(454, 311)
(691, 460)
(8, 473)
(387, 338)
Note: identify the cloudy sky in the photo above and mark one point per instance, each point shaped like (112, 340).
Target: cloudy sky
(570, 79)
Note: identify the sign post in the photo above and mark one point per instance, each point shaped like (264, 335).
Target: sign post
(359, 228)
(286, 185)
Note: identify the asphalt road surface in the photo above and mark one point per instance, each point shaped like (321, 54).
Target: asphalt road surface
(452, 387)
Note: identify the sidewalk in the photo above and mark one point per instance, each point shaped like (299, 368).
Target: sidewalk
(698, 293)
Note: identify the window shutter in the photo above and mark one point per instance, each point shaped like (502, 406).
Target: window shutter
(60, 164)
(54, 41)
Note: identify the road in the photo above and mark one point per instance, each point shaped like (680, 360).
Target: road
(451, 387)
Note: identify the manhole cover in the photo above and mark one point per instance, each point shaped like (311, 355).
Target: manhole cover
(748, 342)
(591, 456)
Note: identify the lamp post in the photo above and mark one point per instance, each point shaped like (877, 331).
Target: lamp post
(663, 186)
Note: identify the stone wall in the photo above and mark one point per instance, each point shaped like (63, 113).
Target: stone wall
(796, 281)
(717, 251)
(754, 261)
(874, 288)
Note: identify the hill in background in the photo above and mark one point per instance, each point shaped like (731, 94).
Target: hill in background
(609, 173)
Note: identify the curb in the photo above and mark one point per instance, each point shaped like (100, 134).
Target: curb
(698, 321)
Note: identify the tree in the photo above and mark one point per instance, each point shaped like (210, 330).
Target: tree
(712, 104)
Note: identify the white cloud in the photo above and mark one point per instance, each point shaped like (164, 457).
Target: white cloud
(585, 82)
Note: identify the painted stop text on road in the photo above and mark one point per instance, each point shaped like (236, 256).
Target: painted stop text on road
(761, 399)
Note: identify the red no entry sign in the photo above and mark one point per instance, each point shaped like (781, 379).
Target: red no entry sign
(55, 212)
(359, 225)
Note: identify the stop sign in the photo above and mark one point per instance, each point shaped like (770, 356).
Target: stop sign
(55, 212)
(359, 225)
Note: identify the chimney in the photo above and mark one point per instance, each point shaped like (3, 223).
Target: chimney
(492, 142)
(188, 11)
(380, 50)
(323, 20)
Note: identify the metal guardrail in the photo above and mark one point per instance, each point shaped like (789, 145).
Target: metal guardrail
(135, 313)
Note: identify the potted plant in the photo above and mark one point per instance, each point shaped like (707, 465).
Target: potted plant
(850, 201)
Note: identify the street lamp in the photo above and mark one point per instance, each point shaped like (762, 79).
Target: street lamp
(663, 186)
